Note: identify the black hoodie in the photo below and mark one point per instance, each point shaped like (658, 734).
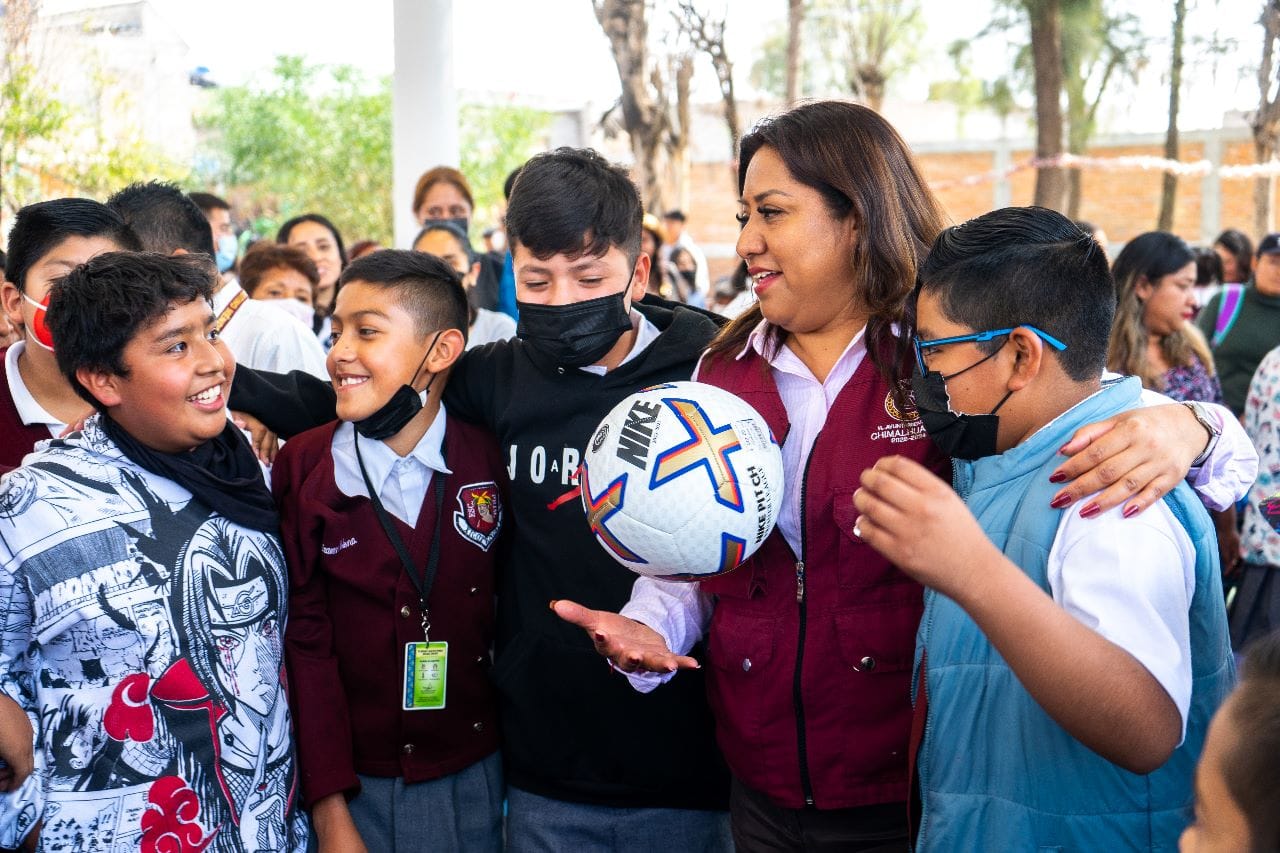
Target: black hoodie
(573, 729)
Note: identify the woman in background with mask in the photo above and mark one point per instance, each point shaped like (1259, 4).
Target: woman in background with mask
(443, 194)
(284, 275)
(810, 644)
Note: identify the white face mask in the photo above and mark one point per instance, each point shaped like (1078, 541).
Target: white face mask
(305, 313)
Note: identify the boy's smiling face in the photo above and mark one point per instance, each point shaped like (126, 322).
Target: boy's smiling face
(57, 262)
(375, 347)
(174, 396)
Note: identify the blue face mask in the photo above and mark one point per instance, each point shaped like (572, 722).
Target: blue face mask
(226, 254)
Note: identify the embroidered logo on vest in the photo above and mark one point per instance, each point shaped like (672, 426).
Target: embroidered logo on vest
(479, 516)
(906, 426)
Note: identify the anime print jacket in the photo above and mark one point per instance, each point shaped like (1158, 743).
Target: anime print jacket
(142, 634)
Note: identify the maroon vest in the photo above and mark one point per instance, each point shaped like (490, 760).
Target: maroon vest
(810, 685)
(16, 438)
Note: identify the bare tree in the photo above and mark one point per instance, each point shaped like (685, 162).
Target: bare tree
(681, 127)
(874, 31)
(1169, 187)
(644, 100)
(707, 36)
(795, 25)
(1266, 121)
(1046, 49)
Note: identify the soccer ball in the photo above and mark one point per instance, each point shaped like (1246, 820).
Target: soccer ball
(682, 481)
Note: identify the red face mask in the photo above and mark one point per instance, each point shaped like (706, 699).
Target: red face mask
(39, 328)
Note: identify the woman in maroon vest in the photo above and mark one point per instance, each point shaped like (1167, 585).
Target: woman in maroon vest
(811, 642)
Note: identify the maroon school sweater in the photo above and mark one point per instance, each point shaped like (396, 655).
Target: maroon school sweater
(16, 438)
(352, 610)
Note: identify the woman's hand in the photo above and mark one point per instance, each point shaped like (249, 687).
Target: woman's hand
(1137, 456)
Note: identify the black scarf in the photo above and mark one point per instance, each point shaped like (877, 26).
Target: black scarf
(222, 474)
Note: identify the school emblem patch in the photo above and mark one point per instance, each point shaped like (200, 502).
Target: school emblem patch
(479, 515)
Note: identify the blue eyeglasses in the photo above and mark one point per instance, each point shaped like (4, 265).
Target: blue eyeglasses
(980, 337)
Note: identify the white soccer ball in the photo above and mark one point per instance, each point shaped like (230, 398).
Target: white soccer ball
(682, 481)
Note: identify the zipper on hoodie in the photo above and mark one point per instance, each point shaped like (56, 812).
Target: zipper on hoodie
(806, 784)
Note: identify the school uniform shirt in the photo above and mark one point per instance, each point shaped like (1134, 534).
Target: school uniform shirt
(354, 610)
(143, 635)
(490, 326)
(264, 337)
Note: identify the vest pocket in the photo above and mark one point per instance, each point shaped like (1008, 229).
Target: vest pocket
(740, 650)
(878, 639)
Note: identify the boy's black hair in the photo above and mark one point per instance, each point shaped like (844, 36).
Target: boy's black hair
(1252, 764)
(421, 284)
(509, 184)
(1027, 266)
(573, 202)
(40, 227)
(100, 306)
(164, 218)
(208, 201)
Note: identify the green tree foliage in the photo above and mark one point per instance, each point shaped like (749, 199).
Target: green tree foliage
(316, 138)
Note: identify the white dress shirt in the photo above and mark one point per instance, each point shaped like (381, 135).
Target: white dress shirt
(490, 326)
(263, 336)
(30, 411)
(401, 481)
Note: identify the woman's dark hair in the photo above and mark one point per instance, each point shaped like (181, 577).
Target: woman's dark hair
(1146, 259)
(282, 236)
(264, 257)
(1252, 764)
(100, 306)
(1241, 248)
(863, 169)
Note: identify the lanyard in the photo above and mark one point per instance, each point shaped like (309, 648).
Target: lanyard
(230, 311)
(424, 582)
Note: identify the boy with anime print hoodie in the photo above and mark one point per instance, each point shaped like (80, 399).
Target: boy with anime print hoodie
(142, 589)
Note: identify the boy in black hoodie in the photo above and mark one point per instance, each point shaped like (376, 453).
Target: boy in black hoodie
(584, 344)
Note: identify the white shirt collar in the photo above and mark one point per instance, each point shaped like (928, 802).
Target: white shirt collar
(379, 458)
(30, 411)
(782, 357)
(221, 299)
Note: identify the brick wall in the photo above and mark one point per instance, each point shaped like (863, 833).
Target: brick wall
(1123, 203)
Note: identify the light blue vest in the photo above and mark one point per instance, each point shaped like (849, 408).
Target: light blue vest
(996, 772)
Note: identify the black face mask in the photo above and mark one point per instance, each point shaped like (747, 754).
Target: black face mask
(577, 334)
(461, 222)
(400, 409)
(959, 436)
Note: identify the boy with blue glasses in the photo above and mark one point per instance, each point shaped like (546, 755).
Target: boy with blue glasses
(1066, 670)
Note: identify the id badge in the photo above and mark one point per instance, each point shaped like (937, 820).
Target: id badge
(425, 666)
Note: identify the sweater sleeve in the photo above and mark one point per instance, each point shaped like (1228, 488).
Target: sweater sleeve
(288, 403)
(320, 715)
(469, 394)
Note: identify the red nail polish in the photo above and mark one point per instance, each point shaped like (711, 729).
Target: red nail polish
(1090, 511)
(1057, 477)
(1060, 501)
(1131, 510)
